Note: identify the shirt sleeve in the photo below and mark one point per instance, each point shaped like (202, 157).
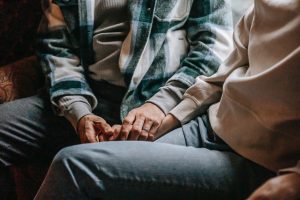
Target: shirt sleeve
(74, 108)
(58, 52)
(209, 33)
(169, 96)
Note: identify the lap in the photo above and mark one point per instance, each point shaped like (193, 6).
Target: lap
(29, 129)
(163, 171)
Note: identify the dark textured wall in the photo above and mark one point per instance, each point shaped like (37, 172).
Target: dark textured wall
(19, 20)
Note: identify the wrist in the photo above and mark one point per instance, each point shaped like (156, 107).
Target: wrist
(169, 123)
(76, 112)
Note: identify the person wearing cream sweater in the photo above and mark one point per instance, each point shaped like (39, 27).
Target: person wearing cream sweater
(239, 127)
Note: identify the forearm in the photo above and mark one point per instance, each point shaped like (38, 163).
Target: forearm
(57, 49)
(208, 90)
(209, 32)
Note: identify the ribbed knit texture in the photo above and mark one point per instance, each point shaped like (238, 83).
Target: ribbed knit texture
(111, 28)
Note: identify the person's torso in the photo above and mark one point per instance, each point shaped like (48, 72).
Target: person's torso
(259, 112)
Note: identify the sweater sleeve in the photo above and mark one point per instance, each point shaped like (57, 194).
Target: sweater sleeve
(208, 90)
(74, 108)
(169, 96)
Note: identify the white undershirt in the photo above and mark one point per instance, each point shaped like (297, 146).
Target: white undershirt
(111, 27)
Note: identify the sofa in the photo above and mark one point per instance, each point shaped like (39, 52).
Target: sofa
(20, 76)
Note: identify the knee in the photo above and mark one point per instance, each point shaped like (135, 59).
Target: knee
(5, 113)
(65, 154)
(73, 154)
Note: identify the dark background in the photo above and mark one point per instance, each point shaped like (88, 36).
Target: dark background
(19, 20)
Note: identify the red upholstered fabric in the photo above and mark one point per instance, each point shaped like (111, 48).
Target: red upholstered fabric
(19, 79)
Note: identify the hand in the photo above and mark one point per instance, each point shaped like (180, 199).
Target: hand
(169, 123)
(142, 123)
(116, 129)
(284, 187)
(92, 128)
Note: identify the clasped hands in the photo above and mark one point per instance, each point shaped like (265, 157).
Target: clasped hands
(146, 123)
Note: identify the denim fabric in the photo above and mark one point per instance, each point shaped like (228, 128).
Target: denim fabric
(30, 132)
(184, 164)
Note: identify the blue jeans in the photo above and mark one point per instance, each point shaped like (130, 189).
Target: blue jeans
(30, 132)
(188, 163)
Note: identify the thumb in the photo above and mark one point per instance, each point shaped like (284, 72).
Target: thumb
(90, 132)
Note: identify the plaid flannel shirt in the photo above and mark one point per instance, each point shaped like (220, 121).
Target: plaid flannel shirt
(169, 41)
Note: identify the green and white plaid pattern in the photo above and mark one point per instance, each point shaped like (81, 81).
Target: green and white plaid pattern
(169, 40)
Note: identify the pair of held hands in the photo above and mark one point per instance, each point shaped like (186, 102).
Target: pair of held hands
(143, 123)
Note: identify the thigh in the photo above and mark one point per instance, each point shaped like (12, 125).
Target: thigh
(186, 135)
(196, 133)
(144, 170)
(30, 130)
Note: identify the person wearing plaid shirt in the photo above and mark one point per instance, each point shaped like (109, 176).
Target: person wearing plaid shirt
(133, 66)
(112, 66)
(240, 126)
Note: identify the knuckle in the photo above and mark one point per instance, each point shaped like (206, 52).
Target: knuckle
(88, 128)
(126, 121)
(150, 120)
(144, 134)
(123, 132)
(156, 122)
(132, 111)
(136, 129)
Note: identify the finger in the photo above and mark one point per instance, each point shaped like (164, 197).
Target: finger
(137, 128)
(145, 130)
(127, 125)
(103, 127)
(150, 138)
(129, 119)
(90, 132)
(116, 130)
(154, 128)
(101, 138)
(147, 125)
(143, 136)
(125, 129)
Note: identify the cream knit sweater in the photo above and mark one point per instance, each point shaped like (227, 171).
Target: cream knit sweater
(254, 100)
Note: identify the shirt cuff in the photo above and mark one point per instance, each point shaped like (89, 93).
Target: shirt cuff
(168, 96)
(295, 169)
(76, 111)
(74, 107)
(185, 111)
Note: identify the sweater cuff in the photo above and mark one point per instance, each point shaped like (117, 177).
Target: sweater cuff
(162, 101)
(76, 111)
(185, 111)
(295, 169)
(168, 96)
